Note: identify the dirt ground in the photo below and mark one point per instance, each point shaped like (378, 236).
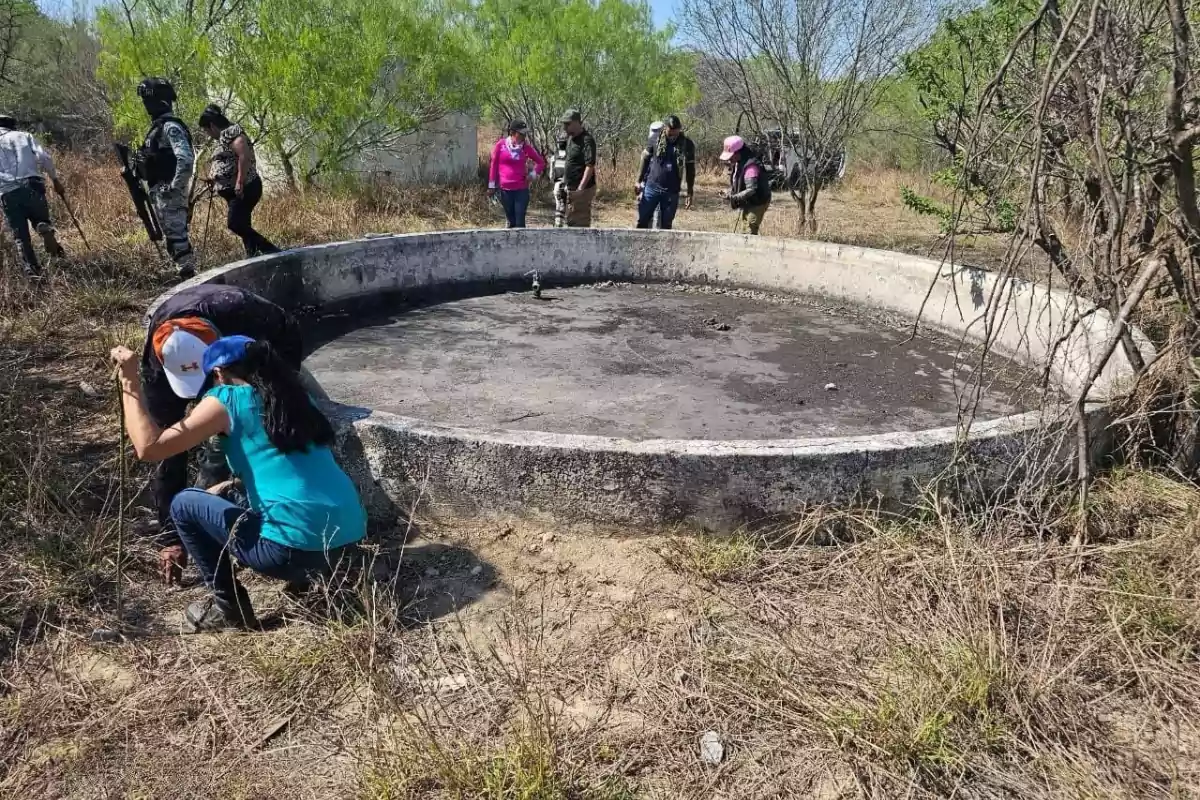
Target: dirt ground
(847, 654)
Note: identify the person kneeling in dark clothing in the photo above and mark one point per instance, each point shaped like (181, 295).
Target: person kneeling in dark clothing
(668, 167)
(304, 511)
(234, 174)
(179, 331)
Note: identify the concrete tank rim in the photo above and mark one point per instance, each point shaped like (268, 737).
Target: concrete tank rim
(892, 441)
(209, 275)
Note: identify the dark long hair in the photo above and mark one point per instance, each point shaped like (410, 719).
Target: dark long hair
(212, 115)
(292, 421)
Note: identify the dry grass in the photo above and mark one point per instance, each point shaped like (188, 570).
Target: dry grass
(851, 654)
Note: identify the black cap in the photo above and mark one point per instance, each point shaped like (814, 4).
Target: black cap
(572, 115)
(672, 121)
(517, 126)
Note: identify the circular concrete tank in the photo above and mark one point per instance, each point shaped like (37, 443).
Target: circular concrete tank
(666, 377)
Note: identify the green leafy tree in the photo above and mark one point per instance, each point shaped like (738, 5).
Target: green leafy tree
(172, 39)
(895, 134)
(316, 83)
(329, 79)
(950, 74)
(606, 58)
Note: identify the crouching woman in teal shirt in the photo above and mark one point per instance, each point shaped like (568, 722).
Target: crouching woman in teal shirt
(303, 508)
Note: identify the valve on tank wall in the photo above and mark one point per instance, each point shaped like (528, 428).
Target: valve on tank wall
(537, 284)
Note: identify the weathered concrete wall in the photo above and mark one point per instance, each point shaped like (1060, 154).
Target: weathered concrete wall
(447, 149)
(714, 484)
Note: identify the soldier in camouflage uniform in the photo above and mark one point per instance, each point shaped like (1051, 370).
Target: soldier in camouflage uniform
(558, 173)
(166, 160)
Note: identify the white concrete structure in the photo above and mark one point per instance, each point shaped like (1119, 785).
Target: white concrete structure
(715, 484)
(445, 150)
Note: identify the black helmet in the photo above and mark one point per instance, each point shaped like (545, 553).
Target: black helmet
(7, 121)
(159, 89)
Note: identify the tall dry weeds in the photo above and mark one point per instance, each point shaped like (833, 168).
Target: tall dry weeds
(854, 653)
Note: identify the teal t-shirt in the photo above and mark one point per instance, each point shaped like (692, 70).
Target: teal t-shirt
(305, 499)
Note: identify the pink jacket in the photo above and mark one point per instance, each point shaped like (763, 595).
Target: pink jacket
(508, 167)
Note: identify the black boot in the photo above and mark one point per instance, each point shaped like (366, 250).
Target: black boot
(50, 240)
(221, 614)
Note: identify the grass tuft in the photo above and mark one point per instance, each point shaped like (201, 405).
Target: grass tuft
(718, 558)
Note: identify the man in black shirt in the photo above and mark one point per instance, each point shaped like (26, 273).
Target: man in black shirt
(581, 171)
(176, 336)
(667, 162)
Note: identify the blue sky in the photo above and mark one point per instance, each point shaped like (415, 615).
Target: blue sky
(662, 11)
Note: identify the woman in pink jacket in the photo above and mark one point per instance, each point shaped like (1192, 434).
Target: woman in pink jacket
(509, 172)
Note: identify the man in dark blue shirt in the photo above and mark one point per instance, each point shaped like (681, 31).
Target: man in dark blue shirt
(667, 164)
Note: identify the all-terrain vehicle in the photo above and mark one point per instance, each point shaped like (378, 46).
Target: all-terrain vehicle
(785, 156)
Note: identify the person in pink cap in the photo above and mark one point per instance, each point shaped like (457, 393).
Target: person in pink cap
(749, 188)
(509, 172)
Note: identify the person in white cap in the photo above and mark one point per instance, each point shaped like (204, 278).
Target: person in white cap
(303, 516)
(668, 169)
(749, 188)
(652, 138)
(651, 145)
(178, 332)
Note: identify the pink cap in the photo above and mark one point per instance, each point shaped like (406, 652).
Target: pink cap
(732, 145)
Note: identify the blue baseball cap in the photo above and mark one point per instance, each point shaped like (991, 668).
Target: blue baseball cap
(225, 351)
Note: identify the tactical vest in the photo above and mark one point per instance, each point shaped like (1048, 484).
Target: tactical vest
(558, 165)
(762, 193)
(157, 162)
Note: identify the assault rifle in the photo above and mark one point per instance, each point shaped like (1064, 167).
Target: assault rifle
(137, 192)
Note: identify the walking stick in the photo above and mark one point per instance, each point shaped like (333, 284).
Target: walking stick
(123, 470)
(207, 219)
(113, 634)
(71, 213)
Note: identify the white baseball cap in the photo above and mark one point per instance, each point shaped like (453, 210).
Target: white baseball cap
(180, 345)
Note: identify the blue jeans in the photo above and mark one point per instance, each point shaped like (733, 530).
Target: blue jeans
(515, 202)
(655, 197)
(205, 523)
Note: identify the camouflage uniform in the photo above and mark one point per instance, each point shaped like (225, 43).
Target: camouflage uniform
(171, 207)
(169, 196)
(558, 171)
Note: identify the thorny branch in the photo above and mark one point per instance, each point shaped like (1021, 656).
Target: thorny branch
(1096, 134)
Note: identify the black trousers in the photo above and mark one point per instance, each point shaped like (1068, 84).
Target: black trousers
(171, 477)
(26, 206)
(240, 211)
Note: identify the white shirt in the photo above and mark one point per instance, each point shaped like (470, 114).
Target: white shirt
(21, 157)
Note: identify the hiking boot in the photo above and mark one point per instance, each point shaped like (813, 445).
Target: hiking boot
(50, 240)
(208, 616)
(186, 272)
